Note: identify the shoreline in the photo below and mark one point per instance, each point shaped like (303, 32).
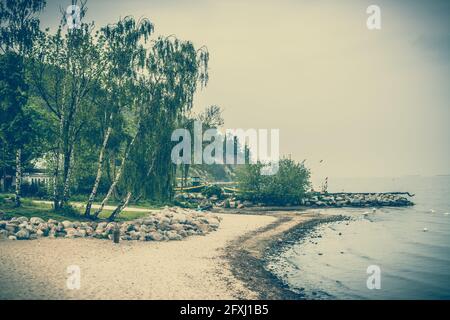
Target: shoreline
(247, 255)
(225, 264)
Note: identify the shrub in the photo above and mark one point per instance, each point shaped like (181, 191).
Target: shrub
(213, 190)
(287, 186)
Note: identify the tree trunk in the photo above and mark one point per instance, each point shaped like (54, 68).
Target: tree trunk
(120, 207)
(18, 176)
(99, 173)
(67, 175)
(55, 183)
(116, 178)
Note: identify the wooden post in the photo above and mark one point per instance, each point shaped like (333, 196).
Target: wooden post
(116, 233)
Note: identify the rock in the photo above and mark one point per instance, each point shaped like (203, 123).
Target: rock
(89, 231)
(183, 233)
(11, 228)
(23, 234)
(177, 227)
(12, 238)
(23, 224)
(36, 220)
(22, 219)
(143, 228)
(82, 233)
(101, 225)
(40, 233)
(164, 220)
(172, 235)
(125, 227)
(110, 226)
(202, 227)
(155, 235)
(3, 234)
(71, 233)
(240, 206)
(51, 221)
(148, 221)
(43, 227)
(76, 224)
(67, 224)
(134, 235)
(143, 236)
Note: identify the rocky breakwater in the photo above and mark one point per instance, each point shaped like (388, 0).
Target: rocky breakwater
(164, 225)
(394, 199)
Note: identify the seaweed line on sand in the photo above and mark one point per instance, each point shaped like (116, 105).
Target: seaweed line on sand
(248, 255)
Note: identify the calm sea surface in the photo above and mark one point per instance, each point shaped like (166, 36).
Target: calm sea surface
(331, 262)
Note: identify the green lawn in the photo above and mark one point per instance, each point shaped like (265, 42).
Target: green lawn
(45, 211)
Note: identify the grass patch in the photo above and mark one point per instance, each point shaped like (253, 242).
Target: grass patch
(45, 211)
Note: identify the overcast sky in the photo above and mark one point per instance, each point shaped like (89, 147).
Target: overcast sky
(368, 103)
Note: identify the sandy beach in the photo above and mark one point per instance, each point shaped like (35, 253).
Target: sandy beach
(195, 268)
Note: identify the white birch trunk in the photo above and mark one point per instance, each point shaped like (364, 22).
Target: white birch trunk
(18, 177)
(116, 178)
(99, 173)
(120, 207)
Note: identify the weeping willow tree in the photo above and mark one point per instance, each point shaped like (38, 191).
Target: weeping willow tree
(175, 69)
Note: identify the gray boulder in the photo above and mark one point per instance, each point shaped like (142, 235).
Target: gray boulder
(23, 234)
(3, 234)
(36, 220)
(67, 224)
(22, 219)
(172, 235)
(156, 236)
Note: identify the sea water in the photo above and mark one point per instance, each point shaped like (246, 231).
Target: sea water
(410, 246)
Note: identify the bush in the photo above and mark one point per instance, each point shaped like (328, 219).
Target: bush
(287, 186)
(213, 190)
(68, 211)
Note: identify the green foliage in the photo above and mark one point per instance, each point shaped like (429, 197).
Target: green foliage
(62, 91)
(287, 186)
(213, 190)
(19, 24)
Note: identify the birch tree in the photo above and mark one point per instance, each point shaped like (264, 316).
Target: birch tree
(125, 55)
(65, 67)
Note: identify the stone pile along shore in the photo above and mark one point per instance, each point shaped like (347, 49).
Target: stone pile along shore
(164, 225)
(358, 200)
(326, 200)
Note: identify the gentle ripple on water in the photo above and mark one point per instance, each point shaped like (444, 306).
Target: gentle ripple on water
(414, 264)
